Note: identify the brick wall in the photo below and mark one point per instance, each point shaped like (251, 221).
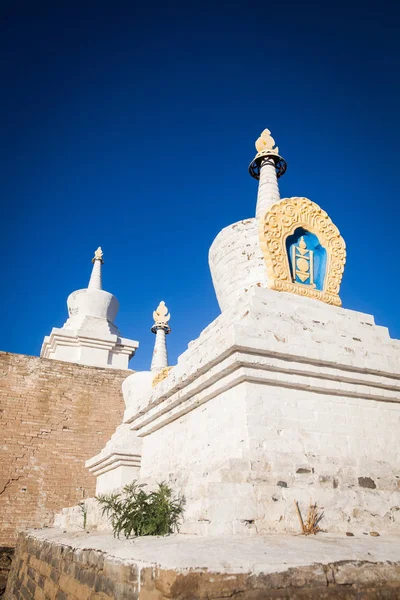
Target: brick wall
(42, 570)
(53, 416)
(6, 556)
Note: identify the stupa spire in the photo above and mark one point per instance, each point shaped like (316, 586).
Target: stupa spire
(95, 278)
(267, 166)
(161, 328)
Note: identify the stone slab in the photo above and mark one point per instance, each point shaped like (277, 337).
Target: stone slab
(51, 564)
(233, 554)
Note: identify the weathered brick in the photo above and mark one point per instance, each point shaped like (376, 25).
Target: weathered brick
(51, 409)
(104, 584)
(31, 586)
(39, 594)
(71, 586)
(50, 588)
(25, 593)
(85, 576)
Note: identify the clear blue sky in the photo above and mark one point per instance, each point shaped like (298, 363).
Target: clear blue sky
(131, 125)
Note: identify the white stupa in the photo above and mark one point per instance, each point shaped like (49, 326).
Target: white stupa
(118, 463)
(89, 335)
(284, 397)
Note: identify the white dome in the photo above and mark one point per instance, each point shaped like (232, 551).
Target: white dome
(137, 389)
(93, 303)
(236, 261)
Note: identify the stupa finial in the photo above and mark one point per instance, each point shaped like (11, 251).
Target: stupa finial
(161, 317)
(95, 278)
(161, 328)
(266, 149)
(98, 255)
(266, 142)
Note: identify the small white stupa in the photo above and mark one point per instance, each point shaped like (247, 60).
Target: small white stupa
(89, 335)
(118, 463)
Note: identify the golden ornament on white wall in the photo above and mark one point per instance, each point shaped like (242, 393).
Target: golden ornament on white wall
(281, 221)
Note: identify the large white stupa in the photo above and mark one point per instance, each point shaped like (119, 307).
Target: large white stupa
(284, 397)
(89, 335)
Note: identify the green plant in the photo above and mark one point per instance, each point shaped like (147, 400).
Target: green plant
(143, 513)
(83, 508)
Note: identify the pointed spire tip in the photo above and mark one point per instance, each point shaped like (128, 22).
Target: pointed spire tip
(98, 255)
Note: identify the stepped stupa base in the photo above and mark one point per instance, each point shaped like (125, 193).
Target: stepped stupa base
(107, 350)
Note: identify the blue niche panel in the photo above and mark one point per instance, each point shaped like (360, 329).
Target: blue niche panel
(307, 259)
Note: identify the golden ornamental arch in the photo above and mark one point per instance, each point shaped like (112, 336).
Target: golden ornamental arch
(280, 221)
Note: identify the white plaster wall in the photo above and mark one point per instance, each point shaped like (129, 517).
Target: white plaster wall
(244, 457)
(137, 387)
(67, 353)
(118, 360)
(192, 452)
(236, 261)
(90, 355)
(115, 479)
(304, 445)
(72, 518)
(203, 438)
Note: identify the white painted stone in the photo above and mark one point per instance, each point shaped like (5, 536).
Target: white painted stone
(236, 262)
(88, 513)
(137, 388)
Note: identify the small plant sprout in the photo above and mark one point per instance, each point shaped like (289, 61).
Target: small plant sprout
(83, 508)
(137, 512)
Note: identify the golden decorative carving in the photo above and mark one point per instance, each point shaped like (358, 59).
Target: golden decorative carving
(280, 221)
(161, 375)
(98, 255)
(303, 262)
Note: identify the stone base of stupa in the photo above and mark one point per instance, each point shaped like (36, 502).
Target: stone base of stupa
(89, 348)
(282, 399)
(119, 461)
(51, 564)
